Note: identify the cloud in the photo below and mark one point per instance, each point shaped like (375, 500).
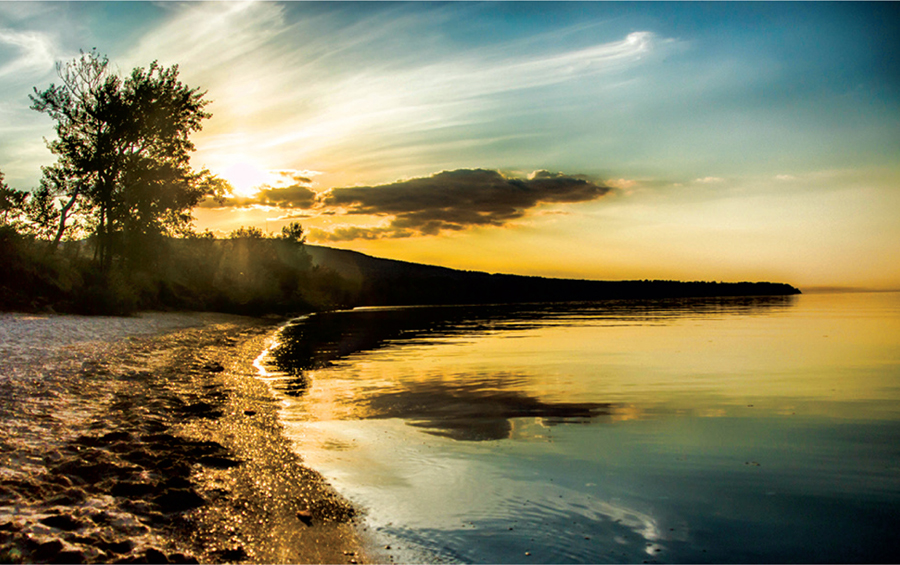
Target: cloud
(290, 216)
(297, 85)
(290, 190)
(622, 184)
(349, 233)
(294, 196)
(456, 200)
(709, 180)
(36, 52)
(451, 90)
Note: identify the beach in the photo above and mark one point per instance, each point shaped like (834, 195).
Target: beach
(150, 439)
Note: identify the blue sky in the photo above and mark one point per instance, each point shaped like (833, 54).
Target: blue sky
(736, 140)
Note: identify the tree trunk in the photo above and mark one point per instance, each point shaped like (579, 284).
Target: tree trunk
(62, 220)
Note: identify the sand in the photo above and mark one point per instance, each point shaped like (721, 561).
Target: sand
(150, 439)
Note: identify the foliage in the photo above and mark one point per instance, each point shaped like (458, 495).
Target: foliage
(123, 151)
(251, 232)
(243, 275)
(34, 213)
(11, 203)
(293, 232)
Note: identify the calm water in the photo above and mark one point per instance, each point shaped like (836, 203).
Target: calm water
(723, 430)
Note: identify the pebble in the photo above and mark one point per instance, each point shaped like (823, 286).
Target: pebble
(306, 517)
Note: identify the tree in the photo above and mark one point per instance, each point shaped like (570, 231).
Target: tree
(12, 203)
(42, 214)
(293, 232)
(123, 147)
(250, 232)
(56, 182)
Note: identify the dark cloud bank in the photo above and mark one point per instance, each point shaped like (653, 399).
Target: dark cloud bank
(446, 201)
(456, 200)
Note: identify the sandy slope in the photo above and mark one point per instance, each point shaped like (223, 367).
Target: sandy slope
(119, 444)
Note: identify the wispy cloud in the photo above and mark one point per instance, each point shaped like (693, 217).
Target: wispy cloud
(35, 53)
(342, 93)
(441, 94)
(295, 196)
(27, 58)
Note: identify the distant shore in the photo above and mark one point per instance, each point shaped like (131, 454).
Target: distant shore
(154, 442)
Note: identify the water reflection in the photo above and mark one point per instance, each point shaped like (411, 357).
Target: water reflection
(473, 406)
(473, 411)
(731, 430)
(316, 341)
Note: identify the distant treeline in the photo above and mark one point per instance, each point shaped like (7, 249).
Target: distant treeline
(381, 282)
(506, 289)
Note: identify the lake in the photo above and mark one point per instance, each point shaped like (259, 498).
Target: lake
(701, 430)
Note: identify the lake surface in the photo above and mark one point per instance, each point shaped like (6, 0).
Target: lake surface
(706, 430)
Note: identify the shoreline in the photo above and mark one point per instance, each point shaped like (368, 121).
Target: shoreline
(174, 453)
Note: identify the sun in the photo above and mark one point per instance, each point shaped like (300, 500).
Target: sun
(246, 178)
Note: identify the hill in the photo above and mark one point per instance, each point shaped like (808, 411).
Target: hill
(256, 276)
(389, 282)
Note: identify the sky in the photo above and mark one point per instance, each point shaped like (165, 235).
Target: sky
(674, 140)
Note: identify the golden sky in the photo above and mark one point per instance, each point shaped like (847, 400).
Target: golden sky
(586, 140)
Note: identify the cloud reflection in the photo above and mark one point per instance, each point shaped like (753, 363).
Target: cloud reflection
(473, 408)
(468, 406)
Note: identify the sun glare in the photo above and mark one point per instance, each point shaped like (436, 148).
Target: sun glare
(246, 178)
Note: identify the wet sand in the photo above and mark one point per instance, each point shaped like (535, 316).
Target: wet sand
(162, 448)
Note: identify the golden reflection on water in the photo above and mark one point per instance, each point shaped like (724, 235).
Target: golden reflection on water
(610, 433)
(819, 359)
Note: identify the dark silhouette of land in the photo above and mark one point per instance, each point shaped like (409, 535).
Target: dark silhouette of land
(389, 282)
(258, 275)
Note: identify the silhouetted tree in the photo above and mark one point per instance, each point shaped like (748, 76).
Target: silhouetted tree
(12, 203)
(36, 213)
(123, 148)
(58, 182)
(250, 232)
(42, 214)
(293, 232)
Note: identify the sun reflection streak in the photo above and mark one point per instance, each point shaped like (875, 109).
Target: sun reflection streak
(259, 362)
(639, 522)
